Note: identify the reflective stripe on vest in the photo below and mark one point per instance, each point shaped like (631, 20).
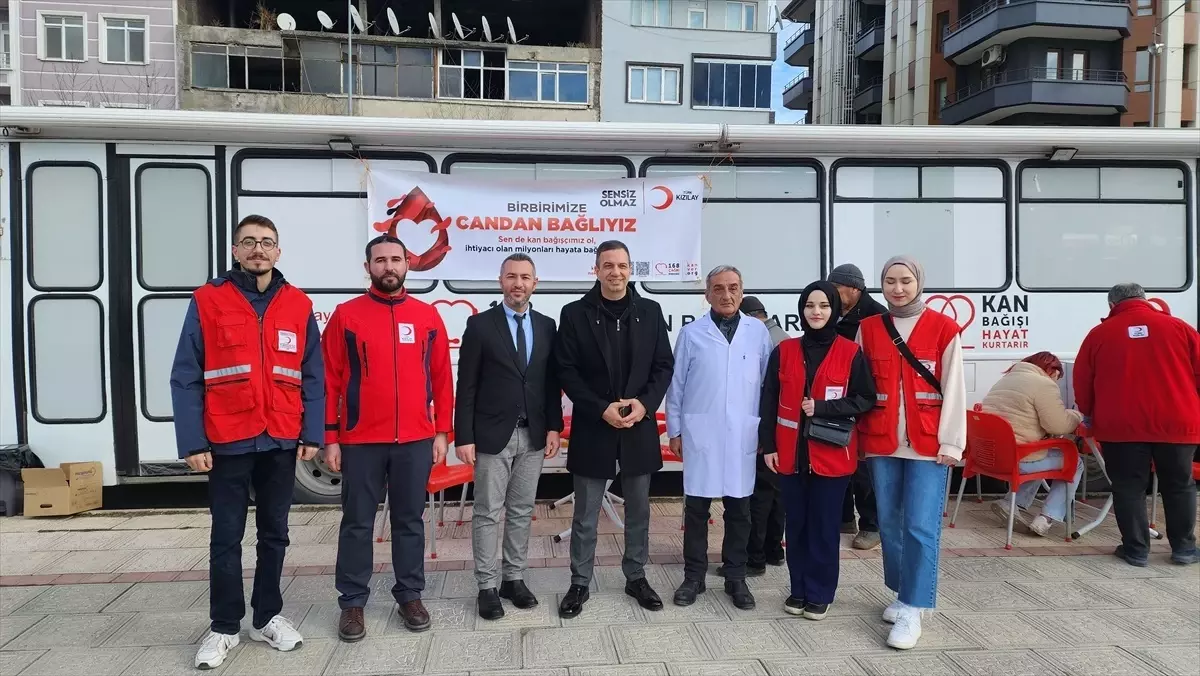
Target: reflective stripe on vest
(926, 395)
(284, 371)
(226, 372)
(792, 424)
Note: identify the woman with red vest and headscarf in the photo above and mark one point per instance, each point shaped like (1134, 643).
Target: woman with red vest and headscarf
(917, 430)
(820, 377)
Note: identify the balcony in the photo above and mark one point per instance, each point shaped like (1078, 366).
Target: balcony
(5, 70)
(868, 44)
(799, 11)
(1038, 90)
(799, 47)
(798, 94)
(1002, 22)
(868, 98)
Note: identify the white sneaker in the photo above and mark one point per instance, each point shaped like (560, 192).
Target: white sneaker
(907, 629)
(893, 611)
(1040, 525)
(278, 633)
(214, 649)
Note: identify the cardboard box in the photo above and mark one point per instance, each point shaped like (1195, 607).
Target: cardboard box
(70, 488)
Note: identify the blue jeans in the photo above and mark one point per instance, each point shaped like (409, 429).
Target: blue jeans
(909, 495)
(1056, 501)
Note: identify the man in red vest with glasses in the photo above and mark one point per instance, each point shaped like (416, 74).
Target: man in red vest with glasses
(247, 390)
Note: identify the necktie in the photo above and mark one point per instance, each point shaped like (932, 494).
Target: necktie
(522, 357)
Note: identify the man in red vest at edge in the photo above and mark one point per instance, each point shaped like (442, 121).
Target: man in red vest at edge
(248, 395)
(1136, 380)
(389, 409)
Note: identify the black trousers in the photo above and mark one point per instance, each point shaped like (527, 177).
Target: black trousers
(1129, 469)
(813, 537)
(273, 475)
(861, 493)
(366, 470)
(695, 537)
(766, 518)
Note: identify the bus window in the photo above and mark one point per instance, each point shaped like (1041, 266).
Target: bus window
(764, 219)
(174, 226)
(65, 227)
(66, 336)
(532, 171)
(954, 219)
(159, 319)
(1087, 228)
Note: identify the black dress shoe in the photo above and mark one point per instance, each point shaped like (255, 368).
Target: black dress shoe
(646, 597)
(687, 592)
(518, 593)
(490, 607)
(742, 598)
(572, 603)
(777, 560)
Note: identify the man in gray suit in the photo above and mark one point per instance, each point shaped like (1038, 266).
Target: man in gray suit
(506, 421)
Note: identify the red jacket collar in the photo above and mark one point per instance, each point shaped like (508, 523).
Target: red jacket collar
(1131, 305)
(378, 295)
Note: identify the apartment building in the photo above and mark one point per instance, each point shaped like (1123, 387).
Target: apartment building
(118, 54)
(1016, 62)
(687, 61)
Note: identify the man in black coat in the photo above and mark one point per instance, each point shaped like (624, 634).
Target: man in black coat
(506, 421)
(857, 305)
(614, 363)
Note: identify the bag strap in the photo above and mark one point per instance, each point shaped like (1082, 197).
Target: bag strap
(908, 355)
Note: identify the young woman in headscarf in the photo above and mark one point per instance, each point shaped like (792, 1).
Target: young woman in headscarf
(915, 433)
(820, 376)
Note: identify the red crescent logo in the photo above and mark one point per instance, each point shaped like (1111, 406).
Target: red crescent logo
(668, 197)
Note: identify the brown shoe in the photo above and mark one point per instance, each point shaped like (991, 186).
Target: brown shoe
(352, 627)
(416, 618)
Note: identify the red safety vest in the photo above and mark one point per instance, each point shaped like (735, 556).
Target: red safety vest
(922, 404)
(252, 372)
(832, 378)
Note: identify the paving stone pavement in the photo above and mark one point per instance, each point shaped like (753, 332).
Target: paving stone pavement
(126, 594)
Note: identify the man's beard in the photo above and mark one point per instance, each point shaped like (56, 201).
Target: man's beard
(388, 282)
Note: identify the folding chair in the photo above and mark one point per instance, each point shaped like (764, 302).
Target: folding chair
(994, 452)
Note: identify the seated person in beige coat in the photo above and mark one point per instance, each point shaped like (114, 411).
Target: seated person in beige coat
(1029, 399)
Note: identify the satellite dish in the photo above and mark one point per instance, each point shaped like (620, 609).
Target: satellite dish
(391, 15)
(462, 35)
(512, 32)
(487, 30)
(326, 22)
(433, 27)
(356, 19)
(285, 22)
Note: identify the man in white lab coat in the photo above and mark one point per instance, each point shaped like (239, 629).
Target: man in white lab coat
(712, 421)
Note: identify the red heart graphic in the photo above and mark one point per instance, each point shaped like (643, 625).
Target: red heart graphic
(455, 322)
(957, 307)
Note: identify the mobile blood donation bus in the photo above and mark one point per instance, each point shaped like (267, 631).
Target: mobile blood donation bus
(111, 218)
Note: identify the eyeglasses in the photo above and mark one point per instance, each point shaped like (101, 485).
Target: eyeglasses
(249, 243)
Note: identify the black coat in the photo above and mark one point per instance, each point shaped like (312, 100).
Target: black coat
(491, 385)
(867, 307)
(595, 446)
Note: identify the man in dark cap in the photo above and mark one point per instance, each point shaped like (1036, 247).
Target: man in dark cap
(857, 305)
(766, 505)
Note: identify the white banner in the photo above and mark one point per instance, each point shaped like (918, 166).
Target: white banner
(463, 228)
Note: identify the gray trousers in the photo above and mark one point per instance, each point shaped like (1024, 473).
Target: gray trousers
(589, 493)
(505, 481)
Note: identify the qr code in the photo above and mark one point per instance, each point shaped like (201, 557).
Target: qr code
(641, 268)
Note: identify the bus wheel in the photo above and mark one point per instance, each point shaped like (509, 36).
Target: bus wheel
(316, 483)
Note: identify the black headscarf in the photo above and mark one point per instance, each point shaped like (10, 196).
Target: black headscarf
(825, 334)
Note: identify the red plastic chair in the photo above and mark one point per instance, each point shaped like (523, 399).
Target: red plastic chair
(993, 451)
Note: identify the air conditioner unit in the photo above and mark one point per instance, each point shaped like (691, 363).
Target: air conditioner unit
(993, 56)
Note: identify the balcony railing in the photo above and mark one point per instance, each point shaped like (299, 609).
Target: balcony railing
(876, 24)
(989, 7)
(868, 84)
(794, 81)
(1065, 75)
(796, 36)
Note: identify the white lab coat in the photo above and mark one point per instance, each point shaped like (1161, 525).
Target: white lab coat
(713, 404)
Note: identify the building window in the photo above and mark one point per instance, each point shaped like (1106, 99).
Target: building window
(653, 84)
(64, 37)
(697, 17)
(943, 22)
(942, 93)
(392, 72)
(651, 12)
(471, 74)
(5, 46)
(1079, 62)
(124, 40)
(547, 82)
(731, 84)
(1141, 71)
(1053, 61)
(1145, 7)
(741, 16)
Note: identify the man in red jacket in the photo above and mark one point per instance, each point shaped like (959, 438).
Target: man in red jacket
(389, 404)
(1137, 378)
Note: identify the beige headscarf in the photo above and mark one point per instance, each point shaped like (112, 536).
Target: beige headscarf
(917, 305)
